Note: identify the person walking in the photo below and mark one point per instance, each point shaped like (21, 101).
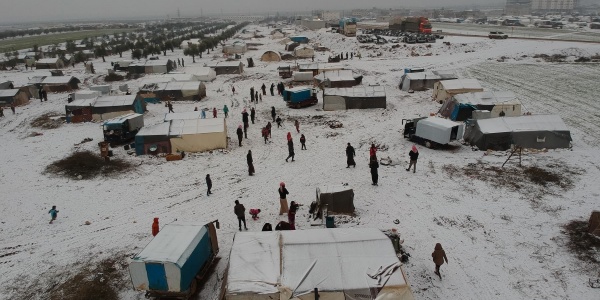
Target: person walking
(226, 110)
(252, 94)
(264, 89)
(273, 113)
(1, 111)
(269, 128)
(373, 164)
(303, 142)
(256, 97)
(283, 204)
(297, 125)
(214, 112)
(41, 95)
(245, 121)
(271, 89)
(53, 213)
(265, 134)
(290, 148)
(252, 114)
(203, 114)
(414, 155)
(350, 156)
(240, 212)
(233, 90)
(250, 163)
(208, 185)
(170, 106)
(155, 227)
(439, 256)
(278, 120)
(240, 135)
(292, 214)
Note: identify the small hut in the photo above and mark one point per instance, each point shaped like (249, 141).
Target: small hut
(58, 84)
(14, 97)
(270, 56)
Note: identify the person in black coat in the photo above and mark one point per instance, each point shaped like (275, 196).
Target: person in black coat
(240, 212)
(278, 120)
(350, 156)
(414, 155)
(290, 150)
(374, 165)
(264, 89)
(250, 163)
(245, 120)
(208, 184)
(240, 135)
(271, 89)
(252, 114)
(252, 94)
(273, 113)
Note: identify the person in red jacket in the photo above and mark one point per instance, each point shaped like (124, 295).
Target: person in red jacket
(373, 151)
(155, 227)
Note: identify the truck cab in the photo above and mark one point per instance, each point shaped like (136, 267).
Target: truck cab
(122, 129)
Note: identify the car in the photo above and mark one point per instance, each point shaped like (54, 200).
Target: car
(497, 35)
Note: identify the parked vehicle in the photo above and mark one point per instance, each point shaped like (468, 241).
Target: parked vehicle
(122, 129)
(432, 131)
(175, 260)
(285, 72)
(497, 35)
(413, 24)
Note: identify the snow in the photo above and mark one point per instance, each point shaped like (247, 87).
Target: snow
(196, 126)
(357, 91)
(488, 97)
(499, 244)
(8, 93)
(110, 101)
(523, 123)
(174, 244)
(57, 80)
(460, 84)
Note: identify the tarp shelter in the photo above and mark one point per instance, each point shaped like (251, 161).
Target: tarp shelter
(594, 223)
(338, 199)
(338, 79)
(50, 63)
(290, 46)
(102, 108)
(360, 97)
(342, 263)
(13, 97)
(227, 67)
(151, 66)
(59, 84)
(237, 47)
(421, 81)
(445, 89)
(460, 107)
(304, 52)
(536, 131)
(204, 74)
(191, 135)
(299, 39)
(296, 94)
(176, 90)
(270, 56)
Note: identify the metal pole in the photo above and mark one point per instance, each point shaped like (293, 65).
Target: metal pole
(317, 294)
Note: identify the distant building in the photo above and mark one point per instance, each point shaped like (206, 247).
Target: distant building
(330, 16)
(553, 5)
(517, 7)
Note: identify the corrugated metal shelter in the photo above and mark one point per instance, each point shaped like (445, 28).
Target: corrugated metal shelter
(536, 131)
(59, 84)
(304, 51)
(354, 98)
(270, 56)
(338, 79)
(84, 109)
(13, 97)
(189, 135)
(445, 89)
(342, 263)
(227, 67)
(460, 107)
(421, 81)
(176, 90)
(50, 63)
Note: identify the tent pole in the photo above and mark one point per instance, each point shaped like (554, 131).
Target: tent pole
(511, 154)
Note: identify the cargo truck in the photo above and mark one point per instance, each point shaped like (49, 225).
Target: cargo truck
(412, 24)
(432, 131)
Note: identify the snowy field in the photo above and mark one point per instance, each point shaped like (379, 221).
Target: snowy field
(500, 243)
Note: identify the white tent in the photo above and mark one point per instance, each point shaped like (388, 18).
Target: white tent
(445, 89)
(341, 263)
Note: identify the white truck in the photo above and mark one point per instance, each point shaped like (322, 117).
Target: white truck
(432, 131)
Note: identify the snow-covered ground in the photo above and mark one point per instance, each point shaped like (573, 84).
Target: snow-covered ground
(499, 244)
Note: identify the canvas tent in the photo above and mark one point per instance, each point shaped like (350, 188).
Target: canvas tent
(460, 107)
(13, 97)
(189, 135)
(58, 84)
(204, 74)
(358, 97)
(304, 52)
(49, 63)
(270, 56)
(237, 47)
(445, 89)
(6, 85)
(338, 199)
(536, 131)
(86, 107)
(338, 79)
(227, 67)
(151, 66)
(176, 90)
(594, 223)
(342, 263)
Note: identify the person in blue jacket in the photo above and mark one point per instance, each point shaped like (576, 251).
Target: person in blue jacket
(53, 213)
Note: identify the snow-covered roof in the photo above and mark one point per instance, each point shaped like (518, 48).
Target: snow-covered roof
(47, 61)
(165, 78)
(82, 102)
(461, 84)
(161, 129)
(121, 119)
(36, 79)
(298, 89)
(9, 93)
(340, 259)
(58, 79)
(313, 66)
(120, 100)
(439, 122)
(157, 62)
(423, 75)
(522, 123)
(336, 75)
(174, 243)
(359, 91)
(188, 115)
(225, 64)
(304, 47)
(182, 85)
(196, 126)
(488, 97)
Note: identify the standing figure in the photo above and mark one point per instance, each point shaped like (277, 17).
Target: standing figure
(203, 114)
(256, 96)
(278, 120)
(373, 151)
(208, 185)
(271, 89)
(245, 121)
(1, 111)
(252, 114)
(170, 106)
(350, 156)
(374, 165)
(214, 112)
(182, 63)
(233, 90)
(414, 155)
(155, 227)
(269, 128)
(226, 110)
(292, 214)
(41, 95)
(439, 256)
(53, 214)
(259, 98)
(290, 149)
(45, 95)
(303, 142)
(273, 113)
(283, 204)
(265, 134)
(12, 107)
(240, 135)
(252, 94)
(297, 124)
(240, 212)
(250, 163)
(264, 89)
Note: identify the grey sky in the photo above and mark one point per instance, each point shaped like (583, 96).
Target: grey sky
(44, 10)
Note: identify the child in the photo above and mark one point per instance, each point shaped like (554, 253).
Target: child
(254, 213)
(53, 213)
(278, 120)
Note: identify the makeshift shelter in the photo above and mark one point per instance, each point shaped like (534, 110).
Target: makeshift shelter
(290, 46)
(6, 85)
(338, 199)
(104, 89)
(204, 74)
(86, 107)
(176, 90)
(303, 76)
(50, 63)
(227, 67)
(277, 35)
(594, 223)
(123, 65)
(313, 67)
(13, 97)
(338, 79)
(354, 98)
(421, 80)
(535, 131)
(304, 52)
(151, 66)
(342, 263)
(59, 84)
(500, 104)
(270, 56)
(191, 135)
(237, 47)
(445, 89)
(299, 39)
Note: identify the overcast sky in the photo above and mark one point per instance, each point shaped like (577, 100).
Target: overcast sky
(46, 10)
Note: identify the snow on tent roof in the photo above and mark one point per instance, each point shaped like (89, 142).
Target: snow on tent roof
(161, 129)
(338, 75)
(173, 244)
(446, 74)
(47, 61)
(188, 115)
(157, 62)
(308, 66)
(439, 122)
(82, 102)
(121, 100)
(522, 123)
(304, 47)
(8, 93)
(460, 84)
(182, 85)
(196, 126)
(121, 119)
(360, 91)
(423, 75)
(58, 79)
(297, 89)
(333, 189)
(342, 258)
(489, 97)
(36, 79)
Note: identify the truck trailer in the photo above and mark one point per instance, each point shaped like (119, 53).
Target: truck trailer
(432, 131)
(412, 24)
